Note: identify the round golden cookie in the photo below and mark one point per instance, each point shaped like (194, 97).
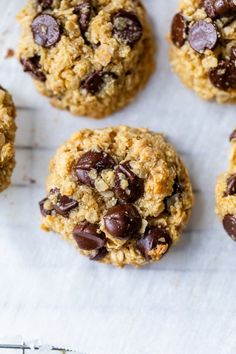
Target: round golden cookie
(203, 48)
(226, 193)
(7, 138)
(121, 195)
(90, 57)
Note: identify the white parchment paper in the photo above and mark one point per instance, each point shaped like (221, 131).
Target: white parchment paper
(185, 304)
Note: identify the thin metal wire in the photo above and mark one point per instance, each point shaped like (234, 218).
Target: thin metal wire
(25, 347)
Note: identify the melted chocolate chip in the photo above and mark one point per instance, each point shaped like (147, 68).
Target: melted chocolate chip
(231, 185)
(203, 35)
(123, 221)
(84, 12)
(33, 66)
(46, 4)
(127, 28)
(44, 211)
(153, 237)
(46, 30)
(232, 136)
(135, 188)
(92, 160)
(88, 237)
(179, 28)
(100, 254)
(225, 8)
(64, 205)
(224, 75)
(229, 223)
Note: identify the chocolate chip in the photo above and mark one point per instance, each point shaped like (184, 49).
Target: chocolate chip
(153, 237)
(229, 223)
(176, 194)
(44, 211)
(33, 66)
(225, 7)
(224, 75)
(92, 160)
(232, 136)
(179, 28)
(231, 185)
(64, 205)
(46, 4)
(203, 35)
(100, 254)
(94, 82)
(210, 8)
(127, 28)
(46, 30)
(123, 221)
(135, 188)
(84, 12)
(88, 237)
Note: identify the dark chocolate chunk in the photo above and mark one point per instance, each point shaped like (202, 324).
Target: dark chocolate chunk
(127, 28)
(225, 8)
(224, 75)
(92, 160)
(100, 254)
(33, 66)
(231, 185)
(123, 221)
(84, 12)
(203, 35)
(46, 30)
(135, 188)
(88, 237)
(232, 136)
(153, 237)
(233, 53)
(64, 205)
(46, 4)
(95, 81)
(43, 210)
(179, 28)
(229, 223)
(176, 194)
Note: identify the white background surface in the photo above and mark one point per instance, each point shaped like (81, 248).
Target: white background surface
(185, 304)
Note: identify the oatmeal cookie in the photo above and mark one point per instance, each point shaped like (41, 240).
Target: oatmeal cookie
(226, 193)
(90, 57)
(121, 195)
(7, 138)
(203, 48)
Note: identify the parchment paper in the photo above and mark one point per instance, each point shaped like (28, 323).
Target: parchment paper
(185, 304)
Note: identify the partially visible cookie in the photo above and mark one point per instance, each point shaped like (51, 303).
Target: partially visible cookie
(226, 193)
(203, 47)
(90, 57)
(121, 195)
(7, 138)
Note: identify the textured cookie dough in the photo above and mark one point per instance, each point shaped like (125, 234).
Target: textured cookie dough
(226, 193)
(90, 57)
(203, 48)
(121, 195)
(7, 138)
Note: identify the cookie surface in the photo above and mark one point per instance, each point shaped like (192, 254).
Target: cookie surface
(121, 195)
(226, 193)
(7, 138)
(90, 57)
(203, 48)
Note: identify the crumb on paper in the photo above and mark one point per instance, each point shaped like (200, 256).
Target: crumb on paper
(10, 53)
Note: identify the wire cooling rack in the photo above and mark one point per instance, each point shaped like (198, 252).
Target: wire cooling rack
(23, 348)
